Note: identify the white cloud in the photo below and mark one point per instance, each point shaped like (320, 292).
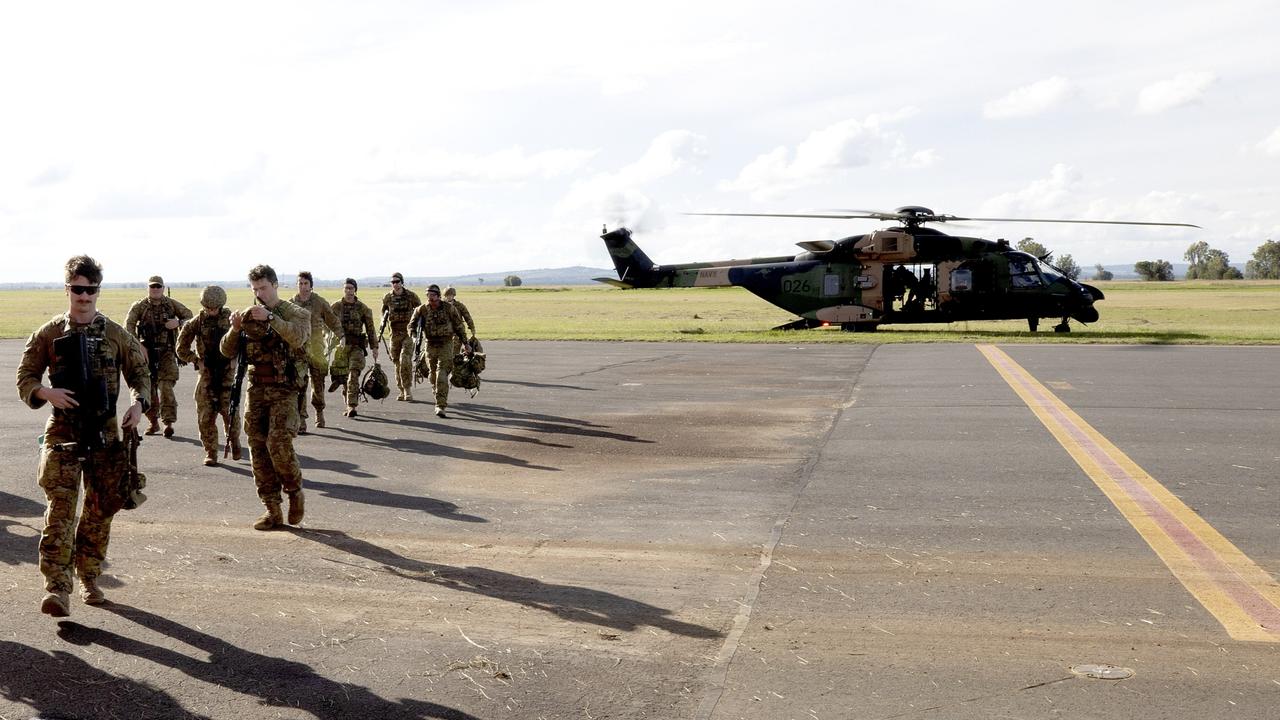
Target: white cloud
(1182, 89)
(503, 166)
(1029, 100)
(1046, 195)
(828, 153)
(1271, 144)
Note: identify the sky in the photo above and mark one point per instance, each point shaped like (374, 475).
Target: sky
(447, 138)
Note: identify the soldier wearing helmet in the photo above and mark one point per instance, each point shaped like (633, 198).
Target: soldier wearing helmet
(154, 320)
(217, 373)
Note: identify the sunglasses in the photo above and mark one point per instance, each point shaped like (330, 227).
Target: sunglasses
(153, 287)
(84, 289)
(397, 282)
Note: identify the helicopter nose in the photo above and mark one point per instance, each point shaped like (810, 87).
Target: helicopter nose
(1086, 315)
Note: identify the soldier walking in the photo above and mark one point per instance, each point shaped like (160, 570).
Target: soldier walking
(322, 317)
(438, 323)
(217, 372)
(273, 337)
(85, 354)
(154, 320)
(398, 306)
(356, 320)
(451, 297)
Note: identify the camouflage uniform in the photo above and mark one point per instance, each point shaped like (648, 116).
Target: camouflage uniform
(466, 315)
(399, 309)
(146, 322)
(322, 317)
(275, 352)
(439, 327)
(65, 542)
(217, 378)
(356, 320)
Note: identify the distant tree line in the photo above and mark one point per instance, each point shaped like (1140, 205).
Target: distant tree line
(1203, 263)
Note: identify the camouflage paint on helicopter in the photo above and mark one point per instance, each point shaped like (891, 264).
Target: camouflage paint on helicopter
(906, 274)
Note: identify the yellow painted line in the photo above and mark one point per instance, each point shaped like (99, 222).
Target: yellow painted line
(1241, 595)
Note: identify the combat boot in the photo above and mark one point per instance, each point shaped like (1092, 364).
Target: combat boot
(400, 396)
(295, 507)
(302, 427)
(408, 396)
(271, 519)
(56, 604)
(319, 418)
(235, 450)
(90, 593)
(335, 384)
(440, 412)
(210, 458)
(153, 428)
(351, 411)
(168, 429)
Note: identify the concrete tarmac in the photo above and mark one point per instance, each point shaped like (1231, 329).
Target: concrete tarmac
(646, 530)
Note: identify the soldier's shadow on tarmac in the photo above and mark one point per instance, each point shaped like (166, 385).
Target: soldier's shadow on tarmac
(373, 496)
(446, 428)
(424, 447)
(274, 681)
(19, 541)
(525, 383)
(570, 602)
(537, 422)
(60, 684)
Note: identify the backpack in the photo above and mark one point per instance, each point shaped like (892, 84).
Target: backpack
(374, 384)
(466, 372)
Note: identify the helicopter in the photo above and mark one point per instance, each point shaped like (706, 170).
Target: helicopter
(903, 274)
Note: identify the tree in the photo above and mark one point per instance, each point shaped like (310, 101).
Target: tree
(1031, 247)
(511, 281)
(1068, 266)
(1265, 264)
(1101, 273)
(1206, 263)
(1154, 269)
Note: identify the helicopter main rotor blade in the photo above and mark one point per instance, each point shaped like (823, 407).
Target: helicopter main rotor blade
(1077, 222)
(801, 215)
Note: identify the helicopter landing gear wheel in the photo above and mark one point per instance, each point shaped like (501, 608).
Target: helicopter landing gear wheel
(1062, 327)
(1033, 323)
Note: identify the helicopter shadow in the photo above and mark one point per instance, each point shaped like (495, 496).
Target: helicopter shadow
(60, 684)
(382, 498)
(569, 602)
(423, 447)
(537, 422)
(276, 682)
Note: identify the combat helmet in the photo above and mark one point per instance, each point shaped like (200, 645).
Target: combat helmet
(213, 297)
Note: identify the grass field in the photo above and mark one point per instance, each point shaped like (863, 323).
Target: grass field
(1184, 312)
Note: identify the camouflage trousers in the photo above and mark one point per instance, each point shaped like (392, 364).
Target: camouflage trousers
(212, 404)
(318, 374)
(439, 365)
(164, 404)
(355, 366)
(270, 423)
(65, 542)
(402, 359)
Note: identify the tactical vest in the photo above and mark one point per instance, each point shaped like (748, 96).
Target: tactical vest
(98, 394)
(269, 357)
(436, 325)
(151, 324)
(400, 307)
(352, 324)
(208, 335)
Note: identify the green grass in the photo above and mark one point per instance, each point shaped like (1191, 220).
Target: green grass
(1183, 312)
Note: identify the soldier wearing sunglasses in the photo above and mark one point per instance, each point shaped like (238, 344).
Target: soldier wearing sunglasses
(85, 354)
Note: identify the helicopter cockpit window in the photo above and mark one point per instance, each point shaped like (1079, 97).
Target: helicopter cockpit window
(1050, 275)
(1024, 271)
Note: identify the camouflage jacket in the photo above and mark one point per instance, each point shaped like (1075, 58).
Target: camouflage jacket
(207, 332)
(401, 308)
(114, 352)
(322, 318)
(147, 318)
(356, 320)
(439, 324)
(275, 349)
(466, 315)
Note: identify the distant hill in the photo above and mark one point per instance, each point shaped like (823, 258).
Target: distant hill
(577, 275)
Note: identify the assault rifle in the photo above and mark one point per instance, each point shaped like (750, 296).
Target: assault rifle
(132, 481)
(234, 409)
(386, 318)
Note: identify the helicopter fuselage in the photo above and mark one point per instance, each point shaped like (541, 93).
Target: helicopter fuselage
(896, 275)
